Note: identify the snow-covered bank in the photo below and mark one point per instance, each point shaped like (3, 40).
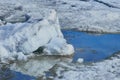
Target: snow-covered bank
(84, 15)
(110, 3)
(20, 39)
(93, 21)
(105, 70)
(89, 15)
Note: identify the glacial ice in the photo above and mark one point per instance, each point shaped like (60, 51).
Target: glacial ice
(20, 39)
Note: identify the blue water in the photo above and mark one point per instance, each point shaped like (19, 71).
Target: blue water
(7, 74)
(92, 47)
(20, 76)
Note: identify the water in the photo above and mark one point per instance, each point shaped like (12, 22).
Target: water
(92, 47)
(7, 74)
(28, 70)
(18, 76)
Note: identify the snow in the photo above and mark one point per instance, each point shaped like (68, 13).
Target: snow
(82, 15)
(73, 14)
(17, 17)
(80, 60)
(26, 25)
(104, 70)
(56, 45)
(19, 38)
(93, 20)
(89, 16)
(1, 23)
(114, 3)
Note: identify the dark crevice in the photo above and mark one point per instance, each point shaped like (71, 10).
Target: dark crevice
(107, 4)
(39, 50)
(85, 0)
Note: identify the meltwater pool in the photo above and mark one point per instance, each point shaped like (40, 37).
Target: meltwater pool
(92, 47)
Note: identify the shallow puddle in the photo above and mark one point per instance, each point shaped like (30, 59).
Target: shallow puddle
(92, 47)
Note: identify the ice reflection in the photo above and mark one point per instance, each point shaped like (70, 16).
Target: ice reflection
(7, 74)
(38, 65)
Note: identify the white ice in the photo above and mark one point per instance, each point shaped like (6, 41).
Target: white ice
(20, 39)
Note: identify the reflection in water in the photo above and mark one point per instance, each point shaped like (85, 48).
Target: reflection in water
(7, 74)
(92, 47)
(37, 66)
